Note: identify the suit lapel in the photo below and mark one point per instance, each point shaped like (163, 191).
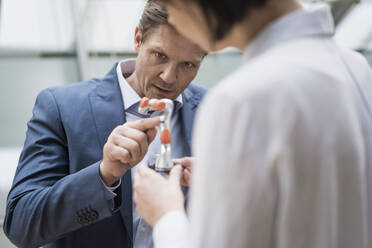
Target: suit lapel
(107, 106)
(190, 102)
(108, 112)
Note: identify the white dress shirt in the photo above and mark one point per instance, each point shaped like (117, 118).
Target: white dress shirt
(283, 147)
(142, 232)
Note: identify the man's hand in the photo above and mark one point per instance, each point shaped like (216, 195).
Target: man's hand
(125, 147)
(186, 164)
(155, 196)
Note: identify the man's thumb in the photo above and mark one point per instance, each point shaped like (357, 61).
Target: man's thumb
(175, 174)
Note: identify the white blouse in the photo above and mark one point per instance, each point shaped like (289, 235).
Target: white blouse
(283, 148)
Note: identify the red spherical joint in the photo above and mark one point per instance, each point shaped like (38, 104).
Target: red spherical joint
(165, 137)
(159, 105)
(144, 102)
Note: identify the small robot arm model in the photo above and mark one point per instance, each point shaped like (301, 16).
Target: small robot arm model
(163, 162)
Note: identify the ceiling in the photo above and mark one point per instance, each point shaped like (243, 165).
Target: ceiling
(108, 25)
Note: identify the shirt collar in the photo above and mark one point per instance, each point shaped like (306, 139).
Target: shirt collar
(311, 21)
(124, 69)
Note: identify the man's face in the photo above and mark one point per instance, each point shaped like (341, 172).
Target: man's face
(166, 63)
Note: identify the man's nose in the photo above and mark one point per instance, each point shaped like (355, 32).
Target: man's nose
(169, 74)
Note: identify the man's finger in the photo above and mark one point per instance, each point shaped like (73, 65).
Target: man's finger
(119, 154)
(177, 160)
(129, 145)
(144, 124)
(186, 162)
(135, 197)
(187, 177)
(175, 174)
(136, 181)
(142, 169)
(151, 133)
(133, 134)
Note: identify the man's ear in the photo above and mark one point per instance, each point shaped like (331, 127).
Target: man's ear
(137, 39)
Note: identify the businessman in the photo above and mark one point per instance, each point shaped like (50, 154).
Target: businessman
(73, 184)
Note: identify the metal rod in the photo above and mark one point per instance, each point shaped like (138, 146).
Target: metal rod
(81, 49)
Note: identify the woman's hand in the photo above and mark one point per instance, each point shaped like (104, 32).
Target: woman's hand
(155, 196)
(186, 164)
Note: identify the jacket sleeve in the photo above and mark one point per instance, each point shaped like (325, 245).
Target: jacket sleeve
(46, 202)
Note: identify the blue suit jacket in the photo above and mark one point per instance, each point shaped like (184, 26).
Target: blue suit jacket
(57, 197)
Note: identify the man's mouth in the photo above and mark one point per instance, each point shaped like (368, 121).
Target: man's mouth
(162, 89)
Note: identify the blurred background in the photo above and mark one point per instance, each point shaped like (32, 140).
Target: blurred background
(46, 43)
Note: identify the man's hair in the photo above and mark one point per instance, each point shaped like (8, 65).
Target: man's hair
(222, 15)
(153, 15)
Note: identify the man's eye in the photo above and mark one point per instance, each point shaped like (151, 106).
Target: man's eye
(160, 55)
(189, 65)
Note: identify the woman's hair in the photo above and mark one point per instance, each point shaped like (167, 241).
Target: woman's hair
(222, 15)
